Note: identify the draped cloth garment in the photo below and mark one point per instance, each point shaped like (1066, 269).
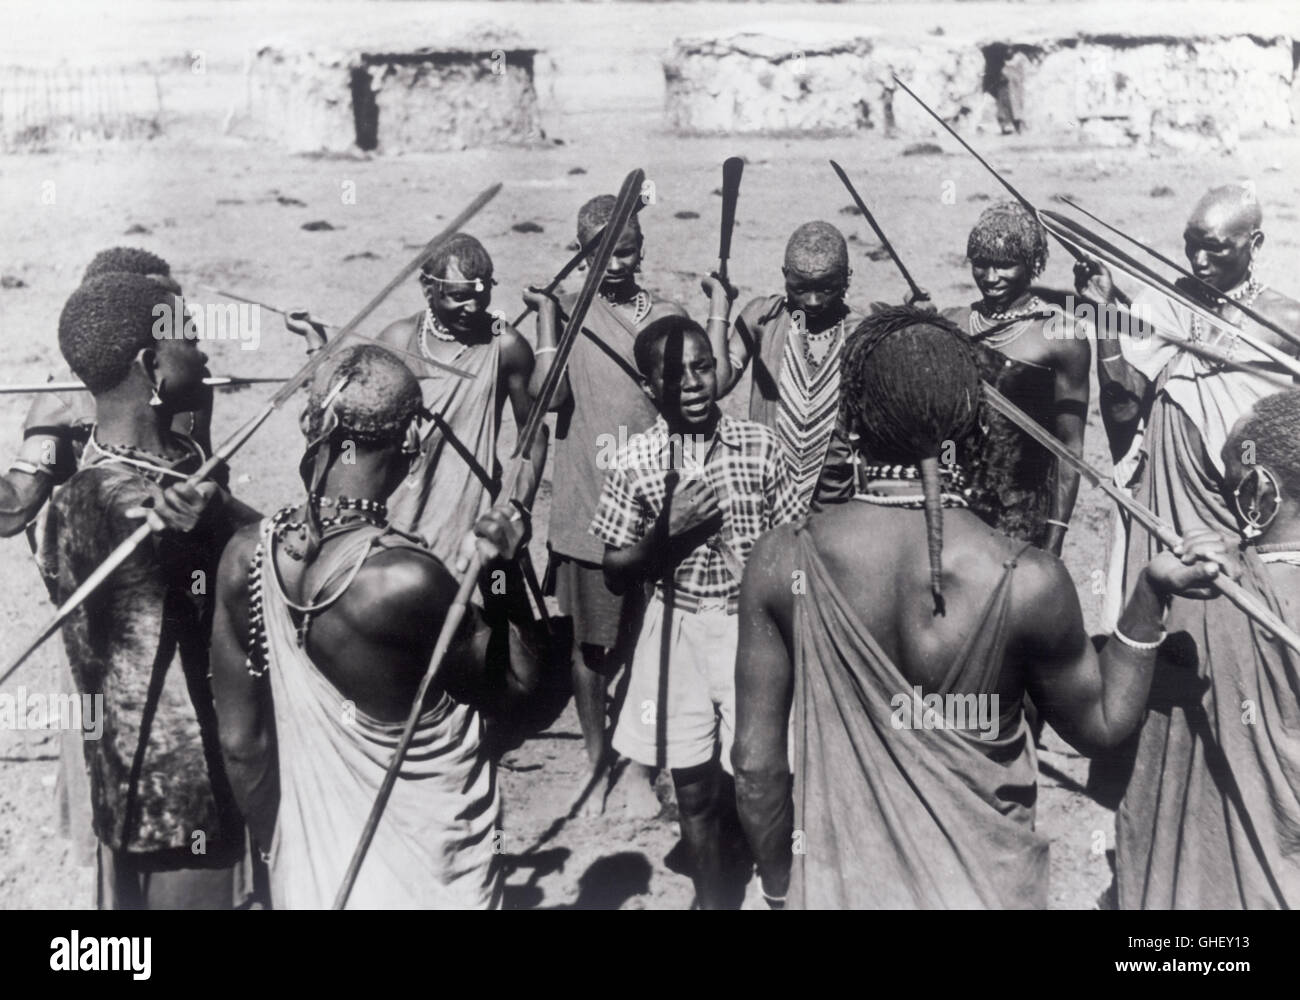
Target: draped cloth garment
(905, 818)
(1211, 815)
(433, 847)
(445, 493)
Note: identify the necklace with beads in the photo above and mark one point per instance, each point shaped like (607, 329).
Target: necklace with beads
(990, 330)
(369, 511)
(824, 340)
(151, 465)
(640, 303)
(1244, 294)
(257, 662)
(1279, 552)
(429, 323)
(880, 477)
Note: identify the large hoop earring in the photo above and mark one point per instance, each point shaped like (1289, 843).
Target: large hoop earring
(1254, 521)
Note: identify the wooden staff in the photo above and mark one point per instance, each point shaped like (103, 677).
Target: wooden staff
(624, 207)
(237, 440)
(216, 381)
(1233, 591)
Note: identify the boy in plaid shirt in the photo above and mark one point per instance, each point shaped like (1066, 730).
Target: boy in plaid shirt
(683, 506)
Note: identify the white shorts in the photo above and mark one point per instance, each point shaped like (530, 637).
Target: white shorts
(673, 717)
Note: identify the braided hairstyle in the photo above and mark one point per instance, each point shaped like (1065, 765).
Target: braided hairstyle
(1008, 233)
(909, 383)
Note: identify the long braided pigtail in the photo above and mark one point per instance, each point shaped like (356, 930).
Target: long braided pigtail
(933, 527)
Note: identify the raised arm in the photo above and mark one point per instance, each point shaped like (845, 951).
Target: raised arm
(548, 324)
(517, 367)
(764, 691)
(1096, 700)
(740, 345)
(1073, 360)
(1123, 391)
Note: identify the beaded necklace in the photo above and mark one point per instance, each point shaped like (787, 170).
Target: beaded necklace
(1010, 325)
(373, 512)
(1246, 293)
(879, 476)
(640, 304)
(142, 459)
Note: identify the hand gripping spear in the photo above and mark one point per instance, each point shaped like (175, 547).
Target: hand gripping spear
(1070, 235)
(1205, 287)
(237, 440)
(1229, 588)
(624, 207)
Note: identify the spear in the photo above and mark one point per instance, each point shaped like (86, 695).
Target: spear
(216, 381)
(985, 164)
(572, 263)
(1068, 229)
(917, 294)
(1233, 591)
(237, 440)
(624, 207)
(1204, 286)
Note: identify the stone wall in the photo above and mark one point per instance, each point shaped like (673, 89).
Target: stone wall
(1182, 92)
(428, 100)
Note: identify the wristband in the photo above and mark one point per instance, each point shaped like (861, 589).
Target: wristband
(1113, 357)
(713, 316)
(22, 465)
(1060, 524)
(545, 350)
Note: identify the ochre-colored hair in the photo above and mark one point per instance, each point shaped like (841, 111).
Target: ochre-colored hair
(910, 383)
(378, 398)
(1008, 233)
(106, 322)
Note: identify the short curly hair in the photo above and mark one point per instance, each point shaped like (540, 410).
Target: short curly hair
(1273, 424)
(593, 216)
(129, 260)
(1008, 233)
(378, 398)
(106, 322)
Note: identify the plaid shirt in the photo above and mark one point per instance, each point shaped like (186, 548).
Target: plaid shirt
(747, 470)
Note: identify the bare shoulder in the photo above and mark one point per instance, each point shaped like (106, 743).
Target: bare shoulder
(516, 353)
(396, 586)
(769, 570)
(237, 556)
(399, 332)
(1045, 597)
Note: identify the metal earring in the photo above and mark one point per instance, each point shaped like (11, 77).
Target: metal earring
(1252, 517)
(154, 398)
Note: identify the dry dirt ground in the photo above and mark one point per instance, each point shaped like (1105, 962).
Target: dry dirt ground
(216, 209)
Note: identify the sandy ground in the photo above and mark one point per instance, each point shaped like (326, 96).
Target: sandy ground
(213, 207)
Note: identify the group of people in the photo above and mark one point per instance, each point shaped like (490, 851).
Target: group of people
(767, 590)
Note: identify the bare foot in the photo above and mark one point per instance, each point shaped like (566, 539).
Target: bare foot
(589, 796)
(636, 785)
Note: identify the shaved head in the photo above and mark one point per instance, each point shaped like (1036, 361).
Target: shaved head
(372, 393)
(1223, 236)
(598, 211)
(1231, 206)
(816, 249)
